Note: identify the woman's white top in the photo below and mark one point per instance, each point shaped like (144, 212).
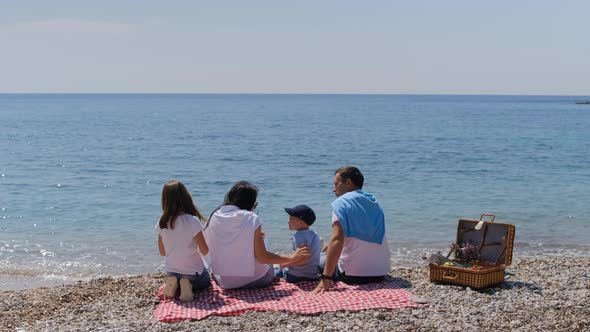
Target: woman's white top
(230, 236)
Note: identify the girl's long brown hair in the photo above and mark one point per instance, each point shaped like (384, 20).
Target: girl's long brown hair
(176, 201)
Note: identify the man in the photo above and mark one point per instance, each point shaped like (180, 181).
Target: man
(357, 251)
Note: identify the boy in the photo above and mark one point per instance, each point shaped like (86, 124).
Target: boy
(300, 218)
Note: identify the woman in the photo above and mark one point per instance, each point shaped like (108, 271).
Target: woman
(237, 253)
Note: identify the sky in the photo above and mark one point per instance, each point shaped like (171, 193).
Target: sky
(252, 46)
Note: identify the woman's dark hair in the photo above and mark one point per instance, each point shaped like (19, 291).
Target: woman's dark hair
(352, 173)
(176, 201)
(243, 195)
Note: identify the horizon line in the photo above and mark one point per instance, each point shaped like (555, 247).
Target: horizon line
(296, 94)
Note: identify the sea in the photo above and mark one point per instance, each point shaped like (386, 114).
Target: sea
(81, 175)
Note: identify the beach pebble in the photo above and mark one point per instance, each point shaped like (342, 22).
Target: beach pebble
(419, 299)
(379, 315)
(417, 313)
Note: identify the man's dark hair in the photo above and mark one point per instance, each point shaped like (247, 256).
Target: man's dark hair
(243, 195)
(352, 173)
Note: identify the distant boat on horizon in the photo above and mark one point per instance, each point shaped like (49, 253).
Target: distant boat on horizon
(583, 102)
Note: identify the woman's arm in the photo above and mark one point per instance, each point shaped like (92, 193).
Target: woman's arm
(265, 257)
(300, 262)
(203, 248)
(161, 246)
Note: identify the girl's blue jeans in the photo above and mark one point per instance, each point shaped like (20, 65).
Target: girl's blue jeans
(199, 281)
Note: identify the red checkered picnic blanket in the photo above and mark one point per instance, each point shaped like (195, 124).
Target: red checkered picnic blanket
(283, 296)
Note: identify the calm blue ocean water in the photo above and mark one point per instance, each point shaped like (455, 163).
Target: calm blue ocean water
(81, 175)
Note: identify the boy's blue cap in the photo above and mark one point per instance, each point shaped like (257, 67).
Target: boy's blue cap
(302, 212)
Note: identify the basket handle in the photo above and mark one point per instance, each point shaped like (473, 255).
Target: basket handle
(481, 221)
(493, 216)
(446, 276)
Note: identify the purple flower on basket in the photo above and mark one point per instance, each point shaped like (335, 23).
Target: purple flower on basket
(466, 251)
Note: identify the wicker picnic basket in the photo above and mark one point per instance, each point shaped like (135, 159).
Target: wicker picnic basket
(494, 242)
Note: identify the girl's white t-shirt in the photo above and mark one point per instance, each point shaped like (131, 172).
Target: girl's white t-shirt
(182, 252)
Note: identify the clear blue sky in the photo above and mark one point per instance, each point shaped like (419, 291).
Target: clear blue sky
(446, 47)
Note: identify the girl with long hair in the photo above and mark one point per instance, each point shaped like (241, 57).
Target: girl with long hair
(181, 241)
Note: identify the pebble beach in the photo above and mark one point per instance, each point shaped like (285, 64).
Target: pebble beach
(549, 294)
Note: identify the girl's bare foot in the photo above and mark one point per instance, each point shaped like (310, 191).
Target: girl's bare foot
(186, 290)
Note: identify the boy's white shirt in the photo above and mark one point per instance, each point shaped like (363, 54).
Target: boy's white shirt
(182, 252)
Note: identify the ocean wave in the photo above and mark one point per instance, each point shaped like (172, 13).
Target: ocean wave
(21, 271)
